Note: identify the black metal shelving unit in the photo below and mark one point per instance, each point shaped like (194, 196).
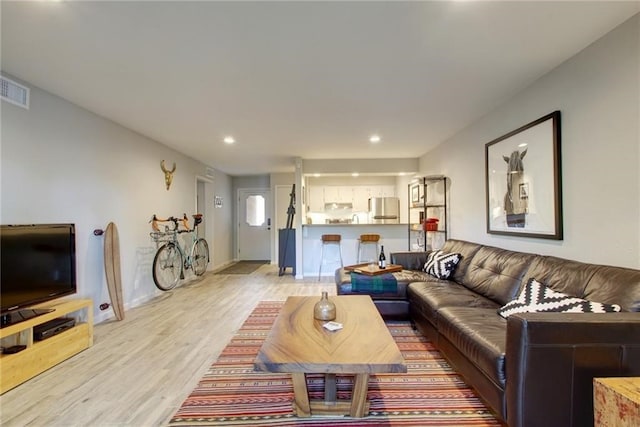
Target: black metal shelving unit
(428, 197)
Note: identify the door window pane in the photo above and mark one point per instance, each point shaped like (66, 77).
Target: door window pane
(255, 210)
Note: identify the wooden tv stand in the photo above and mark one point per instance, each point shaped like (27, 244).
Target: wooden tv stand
(42, 355)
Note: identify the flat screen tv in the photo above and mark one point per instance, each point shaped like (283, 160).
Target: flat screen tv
(37, 264)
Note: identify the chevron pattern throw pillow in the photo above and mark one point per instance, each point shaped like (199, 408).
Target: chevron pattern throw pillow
(536, 297)
(440, 264)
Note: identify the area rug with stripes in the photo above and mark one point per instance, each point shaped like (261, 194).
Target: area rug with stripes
(231, 393)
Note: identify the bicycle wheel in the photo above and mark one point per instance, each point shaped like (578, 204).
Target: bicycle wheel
(167, 267)
(200, 257)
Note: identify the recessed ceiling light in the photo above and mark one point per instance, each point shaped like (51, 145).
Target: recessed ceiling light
(375, 138)
(355, 174)
(229, 140)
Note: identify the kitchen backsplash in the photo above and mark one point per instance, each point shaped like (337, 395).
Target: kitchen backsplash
(338, 217)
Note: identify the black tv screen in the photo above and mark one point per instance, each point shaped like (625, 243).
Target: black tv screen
(38, 264)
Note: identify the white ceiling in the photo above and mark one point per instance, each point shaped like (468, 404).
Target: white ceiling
(295, 79)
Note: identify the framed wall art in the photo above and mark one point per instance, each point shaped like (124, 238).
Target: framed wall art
(523, 181)
(415, 193)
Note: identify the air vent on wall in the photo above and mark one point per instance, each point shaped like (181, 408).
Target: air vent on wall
(14, 92)
(211, 173)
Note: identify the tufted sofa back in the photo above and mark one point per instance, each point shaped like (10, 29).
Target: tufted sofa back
(492, 272)
(467, 250)
(562, 275)
(499, 274)
(593, 282)
(615, 285)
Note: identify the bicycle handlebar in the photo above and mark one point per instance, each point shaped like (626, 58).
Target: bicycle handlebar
(184, 221)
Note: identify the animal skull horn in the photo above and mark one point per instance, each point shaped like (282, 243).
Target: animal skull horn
(168, 174)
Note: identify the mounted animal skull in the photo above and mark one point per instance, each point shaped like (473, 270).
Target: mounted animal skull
(168, 174)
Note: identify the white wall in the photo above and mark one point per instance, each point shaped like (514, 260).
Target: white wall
(598, 93)
(61, 163)
(223, 221)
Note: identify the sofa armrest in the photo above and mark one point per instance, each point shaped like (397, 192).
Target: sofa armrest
(552, 358)
(409, 260)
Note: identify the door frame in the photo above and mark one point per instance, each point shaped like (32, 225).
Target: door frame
(269, 212)
(206, 207)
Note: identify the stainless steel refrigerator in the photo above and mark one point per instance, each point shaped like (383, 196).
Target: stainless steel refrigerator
(384, 210)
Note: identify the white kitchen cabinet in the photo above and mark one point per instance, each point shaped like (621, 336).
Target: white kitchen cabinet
(331, 194)
(316, 199)
(388, 191)
(383, 191)
(338, 194)
(361, 196)
(358, 195)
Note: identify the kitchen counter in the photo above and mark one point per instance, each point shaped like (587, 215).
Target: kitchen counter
(392, 236)
(354, 224)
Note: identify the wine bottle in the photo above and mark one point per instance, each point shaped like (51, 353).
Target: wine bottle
(382, 260)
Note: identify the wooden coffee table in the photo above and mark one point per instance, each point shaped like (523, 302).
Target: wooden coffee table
(298, 344)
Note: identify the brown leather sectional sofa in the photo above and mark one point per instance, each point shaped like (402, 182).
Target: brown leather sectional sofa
(532, 369)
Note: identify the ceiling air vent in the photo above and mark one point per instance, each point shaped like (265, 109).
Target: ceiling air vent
(14, 92)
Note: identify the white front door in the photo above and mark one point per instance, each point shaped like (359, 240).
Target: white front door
(254, 224)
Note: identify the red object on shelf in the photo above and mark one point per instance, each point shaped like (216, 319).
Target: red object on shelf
(430, 224)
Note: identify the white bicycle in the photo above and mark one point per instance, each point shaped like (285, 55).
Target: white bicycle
(172, 259)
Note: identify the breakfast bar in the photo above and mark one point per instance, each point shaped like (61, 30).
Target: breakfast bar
(392, 236)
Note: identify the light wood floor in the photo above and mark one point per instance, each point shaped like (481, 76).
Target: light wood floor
(140, 370)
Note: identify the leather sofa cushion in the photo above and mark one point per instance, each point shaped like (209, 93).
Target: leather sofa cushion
(409, 260)
(497, 273)
(392, 309)
(562, 275)
(410, 276)
(430, 296)
(599, 283)
(467, 250)
(615, 285)
(480, 335)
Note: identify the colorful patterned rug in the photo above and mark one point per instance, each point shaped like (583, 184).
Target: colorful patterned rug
(232, 394)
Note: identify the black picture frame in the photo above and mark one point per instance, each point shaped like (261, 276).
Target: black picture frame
(415, 193)
(523, 183)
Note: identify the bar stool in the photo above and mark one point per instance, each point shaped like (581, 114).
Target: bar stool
(329, 239)
(367, 240)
